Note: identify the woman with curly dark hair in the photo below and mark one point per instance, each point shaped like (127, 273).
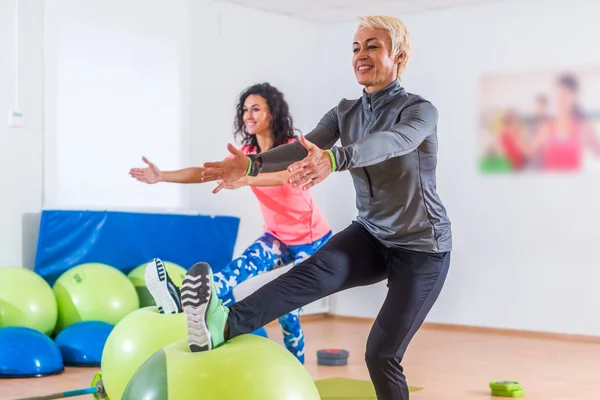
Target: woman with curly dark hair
(294, 226)
(280, 120)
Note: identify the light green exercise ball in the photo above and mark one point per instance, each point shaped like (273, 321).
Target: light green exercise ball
(26, 300)
(93, 292)
(137, 277)
(248, 367)
(135, 339)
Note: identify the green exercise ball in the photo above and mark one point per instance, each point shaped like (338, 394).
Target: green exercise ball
(26, 300)
(137, 277)
(93, 292)
(135, 339)
(248, 367)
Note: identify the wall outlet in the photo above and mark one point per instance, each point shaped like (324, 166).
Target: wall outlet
(16, 118)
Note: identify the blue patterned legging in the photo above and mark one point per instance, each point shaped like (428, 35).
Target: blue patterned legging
(266, 254)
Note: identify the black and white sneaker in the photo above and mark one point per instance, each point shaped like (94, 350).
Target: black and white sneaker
(205, 313)
(166, 295)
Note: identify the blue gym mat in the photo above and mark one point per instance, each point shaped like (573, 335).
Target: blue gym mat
(125, 240)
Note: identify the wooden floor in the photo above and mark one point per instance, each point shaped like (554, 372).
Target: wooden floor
(447, 363)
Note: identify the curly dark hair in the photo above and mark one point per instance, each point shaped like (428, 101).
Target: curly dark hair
(282, 124)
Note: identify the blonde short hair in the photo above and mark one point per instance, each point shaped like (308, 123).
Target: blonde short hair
(398, 34)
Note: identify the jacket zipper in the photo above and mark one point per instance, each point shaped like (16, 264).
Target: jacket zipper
(371, 196)
(370, 184)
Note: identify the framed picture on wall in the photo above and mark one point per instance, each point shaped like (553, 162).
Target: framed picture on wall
(540, 122)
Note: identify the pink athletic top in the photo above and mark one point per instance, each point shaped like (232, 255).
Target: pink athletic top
(564, 153)
(289, 213)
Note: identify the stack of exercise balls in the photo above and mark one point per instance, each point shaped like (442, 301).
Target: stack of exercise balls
(44, 328)
(91, 316)
(147, 357)
(28, 314)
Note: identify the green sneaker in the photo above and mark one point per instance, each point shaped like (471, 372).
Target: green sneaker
(205, 313)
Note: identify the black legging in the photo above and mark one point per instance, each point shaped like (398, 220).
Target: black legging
(353, 258)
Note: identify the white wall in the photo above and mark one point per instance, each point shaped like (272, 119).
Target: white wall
(21, 148)
(117, 88)
(126, 79)
(523, 245)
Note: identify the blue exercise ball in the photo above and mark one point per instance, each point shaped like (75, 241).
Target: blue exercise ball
(81, 344)
(26, 352)
(260, 332)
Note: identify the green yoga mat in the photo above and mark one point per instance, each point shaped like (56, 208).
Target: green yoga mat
(351, 389)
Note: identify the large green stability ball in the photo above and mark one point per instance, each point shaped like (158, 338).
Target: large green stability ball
(137, 277)
(135, 339)
(93, 292)
(26, 300)
(247, 367)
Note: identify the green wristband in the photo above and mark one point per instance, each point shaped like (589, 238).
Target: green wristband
(249, 166)
(333, 163)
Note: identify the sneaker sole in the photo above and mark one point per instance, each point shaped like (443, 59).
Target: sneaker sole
(195, 296)
(156, 282)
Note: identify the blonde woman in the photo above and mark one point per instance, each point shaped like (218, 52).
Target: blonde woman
(401, 234)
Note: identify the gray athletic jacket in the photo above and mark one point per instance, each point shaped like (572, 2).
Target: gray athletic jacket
(389, 145)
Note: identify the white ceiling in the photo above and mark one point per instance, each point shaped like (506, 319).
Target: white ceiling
(347, 10)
